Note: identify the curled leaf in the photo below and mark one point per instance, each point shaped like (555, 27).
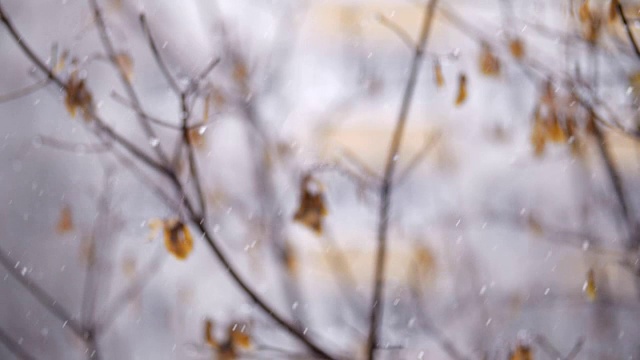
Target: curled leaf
(555, 131)
(462, 90)
(489, 62)
(78, 97)
(437, 73)
(177, 238)
(312, 209)
(516, 48)
(589, 287)
(65, 220)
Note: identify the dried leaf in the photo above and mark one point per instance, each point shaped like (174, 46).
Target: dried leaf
(555, 132)
(208, 334)
(240, 72)
(312, 209)
(290, 259)
(584, 13)
(177, 239)
(521, 352)
(489, 63)
(61, 63)
(462, 90)
(437, 73)
(589, 287)
(613, 10)
(78, 97)
(196, 137)
(425, 259)
(534, 225)
(125, 63)
(516, 47)
(238, 337)
(65, 220)
(538, 135)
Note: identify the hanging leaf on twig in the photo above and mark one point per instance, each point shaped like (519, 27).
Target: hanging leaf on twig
(177, 237)
(78, 97)
(312, 209)
(462, 90)
(589, 288)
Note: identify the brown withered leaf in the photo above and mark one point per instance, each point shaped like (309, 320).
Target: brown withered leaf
(78, 97)
(312, 209)
(196, 137)
(516, 48)
(65, 220)
(462, 90)
(209, 339)
(177, 239)
(534, 225)
(555, 132)
(584, 13)
(538, 135)
(437, 74)
(489, 62)
(613, 10)
(125, 63)
(238, 336)
(290, 259)
(521, 352)
(590, 289)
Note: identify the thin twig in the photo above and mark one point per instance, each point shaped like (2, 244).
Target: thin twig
(17, 94)
(156, 55)
(121, 300)
(377, 301)
(400, 32)
(13, 346)
(109, 49)
(172, 177)
(39, 293)
(632, 39)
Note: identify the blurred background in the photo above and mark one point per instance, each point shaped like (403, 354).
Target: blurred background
(513, 225)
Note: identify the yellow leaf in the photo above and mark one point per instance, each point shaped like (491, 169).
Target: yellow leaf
(177, 239)
(489, 63)
(437, 73)
(125, 62)
(589, 287)
(312, 209)
(78, 97)
(462, 90)
(65, 220)
(516, 47)
(521, 352)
